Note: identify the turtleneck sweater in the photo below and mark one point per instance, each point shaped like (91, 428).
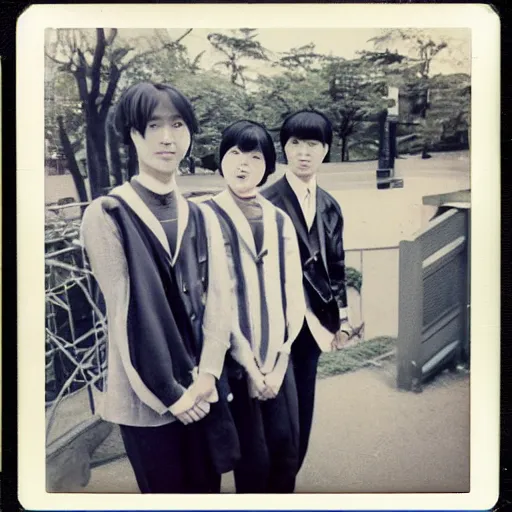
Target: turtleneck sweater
(253, 212)
(164, 207)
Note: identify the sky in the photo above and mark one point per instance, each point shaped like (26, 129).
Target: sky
(342, 42)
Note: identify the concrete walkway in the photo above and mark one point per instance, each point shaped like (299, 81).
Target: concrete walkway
(369, 437)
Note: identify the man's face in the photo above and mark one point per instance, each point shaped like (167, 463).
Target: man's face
(305, 156)
(165, 141)
(243, 170)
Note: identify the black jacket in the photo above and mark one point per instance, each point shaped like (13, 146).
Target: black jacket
(324, 273)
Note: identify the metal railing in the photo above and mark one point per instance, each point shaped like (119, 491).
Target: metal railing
(75, 331)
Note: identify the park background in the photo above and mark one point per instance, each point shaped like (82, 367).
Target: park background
(261, 74)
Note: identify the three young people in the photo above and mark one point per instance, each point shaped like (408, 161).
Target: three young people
(200, 377)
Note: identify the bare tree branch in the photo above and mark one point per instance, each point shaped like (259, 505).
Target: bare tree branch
(57, 61)
(187, 32)
(72, 41)
(96, 63)
(81, 83)
(138, 57)
(82, 61)
(115, 74)
(111, 36)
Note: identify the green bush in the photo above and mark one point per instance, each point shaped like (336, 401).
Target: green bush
(354, 279)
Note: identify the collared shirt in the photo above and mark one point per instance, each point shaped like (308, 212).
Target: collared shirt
(301, 190)
(306, 195)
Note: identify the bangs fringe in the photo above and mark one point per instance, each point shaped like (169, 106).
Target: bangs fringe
(249, 136)
(307, 125)
(138, 103)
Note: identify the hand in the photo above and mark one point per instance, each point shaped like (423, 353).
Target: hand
(273, 381)
(188, 410)
(203, 389)
(195, 413)
(340, 340)
(256, 385)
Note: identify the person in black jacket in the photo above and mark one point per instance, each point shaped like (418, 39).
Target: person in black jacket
(306, 138)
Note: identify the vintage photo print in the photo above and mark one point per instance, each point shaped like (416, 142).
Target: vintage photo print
(256, 256)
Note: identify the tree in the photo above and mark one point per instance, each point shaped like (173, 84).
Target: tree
(64, 126)
(448, 111)
(303, 58)
(96, 59)
(349, 92)
(217, 103)
(282, 94)
(419, 46)
(164, 58)
(67, 147)
(355, 94)
(418, 50)
(236, 48)
(113, 143)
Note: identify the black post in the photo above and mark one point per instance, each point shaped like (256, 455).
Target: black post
(385, 168)
(387, 144)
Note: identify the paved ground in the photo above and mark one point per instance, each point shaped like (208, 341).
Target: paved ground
(369, 437)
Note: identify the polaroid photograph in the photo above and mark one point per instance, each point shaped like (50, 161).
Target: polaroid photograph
(258, 255)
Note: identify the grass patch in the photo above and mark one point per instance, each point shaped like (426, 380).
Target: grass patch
(354, 357)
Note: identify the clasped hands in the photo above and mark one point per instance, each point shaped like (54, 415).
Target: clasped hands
(265, 387)
(194, 404)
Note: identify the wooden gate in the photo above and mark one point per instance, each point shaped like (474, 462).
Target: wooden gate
(433, 324)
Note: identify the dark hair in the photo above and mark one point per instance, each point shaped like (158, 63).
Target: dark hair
(248, 136)
(307, 125)
(139, 101)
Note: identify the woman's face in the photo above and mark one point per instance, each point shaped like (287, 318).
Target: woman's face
(243, 170)
(165, 142)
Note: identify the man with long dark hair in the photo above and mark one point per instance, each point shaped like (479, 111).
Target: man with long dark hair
(161, 265)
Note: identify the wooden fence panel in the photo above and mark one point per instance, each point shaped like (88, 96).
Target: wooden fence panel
(433, 301)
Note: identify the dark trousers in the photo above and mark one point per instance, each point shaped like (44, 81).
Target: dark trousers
(304, 355)
(172, 458)
(269, 436)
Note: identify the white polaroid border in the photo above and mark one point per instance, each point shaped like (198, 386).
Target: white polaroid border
(485, 184)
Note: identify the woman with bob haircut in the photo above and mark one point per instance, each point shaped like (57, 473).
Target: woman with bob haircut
(306, 139)
(265, 263)
(167, 292)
